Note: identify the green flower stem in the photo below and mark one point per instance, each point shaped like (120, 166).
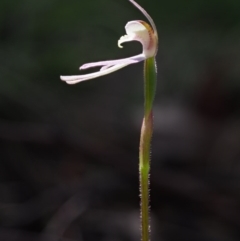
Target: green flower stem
(145, 144)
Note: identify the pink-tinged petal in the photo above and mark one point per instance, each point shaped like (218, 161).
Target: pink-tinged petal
(73, 79)
(130, 60)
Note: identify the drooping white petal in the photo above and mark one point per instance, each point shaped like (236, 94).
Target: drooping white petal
(129, 60)
(73, 79)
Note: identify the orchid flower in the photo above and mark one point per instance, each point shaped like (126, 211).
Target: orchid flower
(135, 31)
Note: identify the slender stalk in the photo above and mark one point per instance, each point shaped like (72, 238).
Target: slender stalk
(145, 145)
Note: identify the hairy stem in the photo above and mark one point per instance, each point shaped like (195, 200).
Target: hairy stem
(145, 145)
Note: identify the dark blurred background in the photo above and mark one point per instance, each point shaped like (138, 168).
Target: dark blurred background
(69, 154)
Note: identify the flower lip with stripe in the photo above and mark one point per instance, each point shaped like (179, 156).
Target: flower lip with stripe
(135, 31)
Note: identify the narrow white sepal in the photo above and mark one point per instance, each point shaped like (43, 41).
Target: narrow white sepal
(73, 79)
(129, 60)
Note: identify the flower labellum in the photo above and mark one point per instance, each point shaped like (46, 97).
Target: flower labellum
(135, 31)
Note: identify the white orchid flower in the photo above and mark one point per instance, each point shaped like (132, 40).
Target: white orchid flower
(135, 31)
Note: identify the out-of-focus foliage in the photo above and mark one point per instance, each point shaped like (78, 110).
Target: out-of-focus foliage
(69, 154)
